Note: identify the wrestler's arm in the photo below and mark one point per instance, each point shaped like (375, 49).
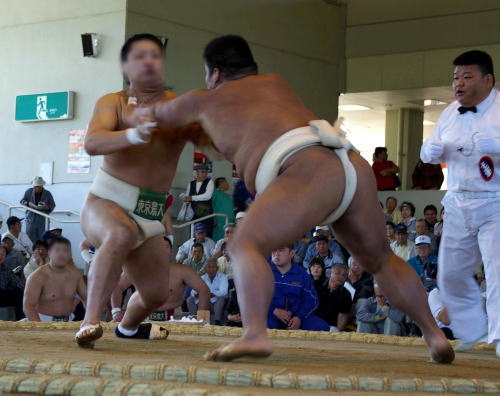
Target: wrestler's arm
(81, 289)
(193, 280)
(32, 294)
(116, 297)
(102, 135)
(181, 111)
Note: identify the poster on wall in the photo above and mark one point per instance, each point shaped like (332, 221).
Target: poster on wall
(78, 159)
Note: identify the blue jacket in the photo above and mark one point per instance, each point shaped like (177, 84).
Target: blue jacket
(336, 255)
(429, 268)
(294, 291)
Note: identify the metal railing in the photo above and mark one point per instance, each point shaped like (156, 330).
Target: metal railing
(48, 217)
(193, 222)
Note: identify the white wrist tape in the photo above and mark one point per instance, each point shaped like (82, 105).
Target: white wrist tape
(115, 310)
(141, 134)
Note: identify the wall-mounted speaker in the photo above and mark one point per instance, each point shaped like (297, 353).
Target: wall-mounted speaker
(90, 44)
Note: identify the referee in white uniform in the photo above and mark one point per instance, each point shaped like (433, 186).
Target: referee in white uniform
(467, 139)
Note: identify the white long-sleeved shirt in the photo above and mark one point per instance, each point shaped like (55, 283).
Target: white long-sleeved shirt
(22, 243)
(218, 286)
(185, 250)
(457, 132)
(205, 196)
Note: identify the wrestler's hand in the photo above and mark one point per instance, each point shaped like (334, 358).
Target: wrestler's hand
(294, 323)
(283, 315)
(144, 122)
(117, 317)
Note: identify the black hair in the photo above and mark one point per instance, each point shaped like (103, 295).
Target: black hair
(139, 37)
(431, 207)
(379, 150)
(390, 223)
(317, 261)
(320, 238)
(231, 55)
(59, 240)
(393, 198)
(476, 57)
(198, 244)
(219, 181)
(410, 205)
(41, 243)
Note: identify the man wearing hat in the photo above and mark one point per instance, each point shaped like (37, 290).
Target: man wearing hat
(22, 243)
(402, 247)
(199, 192)
(425, 262)
(200, 236)
(334, 249)
(40, 199)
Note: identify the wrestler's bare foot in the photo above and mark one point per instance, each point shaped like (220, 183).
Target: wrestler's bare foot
(88, 334)
(440, 349)
(242, 347)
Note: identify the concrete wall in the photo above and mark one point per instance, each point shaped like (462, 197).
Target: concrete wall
(398, 44)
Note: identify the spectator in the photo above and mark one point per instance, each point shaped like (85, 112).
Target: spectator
(14, 260)
(22, 242)
(50, 235)
(218, 285)
(40, 199)
(438, 227)
(392, 213)
(427, 176)
(335, 302)
(403, 247)
(329, 256)
(377, 316)
(242, 197)
(301, 247)
(425, 263)
(226, 265)
(221, 203)
(199, 192)
(228, 233)
(239, 217)
(233, 310)
(390, 231)
(50, 294)
(294, 299)
(421, 229)
(385, 171)
(430, 215)
(40, 257)
(200, 236)
(407, 212)
(1, 221)
(360, 280)
(198, 260)
(317, 272)
(333, 246)
(11, 287)
(440, 313)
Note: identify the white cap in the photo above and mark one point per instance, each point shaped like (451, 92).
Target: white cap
(240, 215)
(38, 181)
(422, 239)
(324, 228)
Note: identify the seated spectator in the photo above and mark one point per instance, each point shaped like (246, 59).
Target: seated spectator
(438, 227)
(198, 260)
(322, 248)
(233, 310)
(360, 280)
(40, 257)
(440, 313)
(335, 302)
(294, 299)
(200, 236)
(228, 233)
(218, 285)
(390, 231)
(392, 213)
(425, 263)
(300, 247)
(226, 265)
(14, 259)
(403, 247)
(22, 242)
(242, 198)
(407, 212)
(49, 236)
(385, 171)
(421, 229)
(427, 176)
(221, 203)
(377, 316)
(311, 248)
(50, 290)
(239, 217)
(11, 287)
(430, 215)
(317, 272)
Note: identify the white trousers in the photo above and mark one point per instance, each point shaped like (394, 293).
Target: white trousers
(471, 235)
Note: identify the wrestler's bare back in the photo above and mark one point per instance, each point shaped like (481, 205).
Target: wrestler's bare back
(242, 126)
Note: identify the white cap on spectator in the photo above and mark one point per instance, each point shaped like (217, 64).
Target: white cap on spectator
(240, 215)
(324, 228)
(422, 239)
(38, 181)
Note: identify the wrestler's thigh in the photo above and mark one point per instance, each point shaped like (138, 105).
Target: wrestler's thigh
(309, 188)
(147, 267)
(361, 230)
(101, 218)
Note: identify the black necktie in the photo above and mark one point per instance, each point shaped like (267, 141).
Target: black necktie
(463, 109)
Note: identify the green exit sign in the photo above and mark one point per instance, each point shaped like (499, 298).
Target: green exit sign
(49, 106)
